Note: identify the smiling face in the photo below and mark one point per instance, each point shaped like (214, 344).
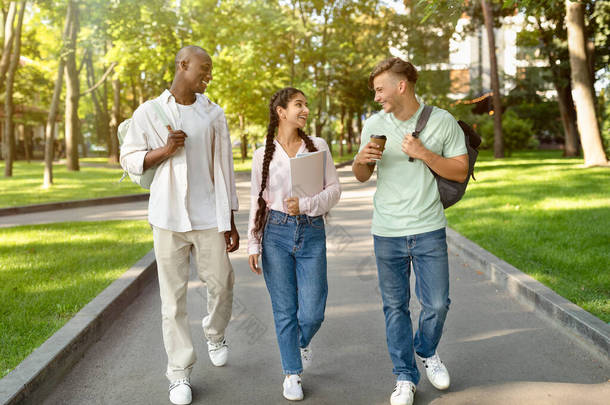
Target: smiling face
(197, 71)
(296, 112)
(388, 89)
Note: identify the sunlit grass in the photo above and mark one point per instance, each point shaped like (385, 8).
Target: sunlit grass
(547, 216)
(25, 187)
(49, 272)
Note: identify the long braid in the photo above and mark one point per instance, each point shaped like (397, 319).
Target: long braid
(261, 212)
(308, 142)
(280, 98)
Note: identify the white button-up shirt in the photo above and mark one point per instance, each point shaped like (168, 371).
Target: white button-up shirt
(279, 187)
(168, 203)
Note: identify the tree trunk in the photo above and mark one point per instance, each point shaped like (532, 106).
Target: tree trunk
(586, 118)
(101, 110)
(27, 142)
(9, 35)
(81, 139)
(243, 137)
(106, 114)
(9, 125)
(72, 92)
(350, 131)
(564, 92)
(115, 120)
(568, 118)
(495, 82)
(49, 144)
(591, 65)
(318, 127)
(359, 121)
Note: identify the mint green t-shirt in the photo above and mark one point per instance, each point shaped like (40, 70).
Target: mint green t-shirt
(406, 201)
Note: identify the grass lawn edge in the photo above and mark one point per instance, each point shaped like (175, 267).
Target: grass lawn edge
(44, 367)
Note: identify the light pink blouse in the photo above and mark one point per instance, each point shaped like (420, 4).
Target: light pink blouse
(279, 186)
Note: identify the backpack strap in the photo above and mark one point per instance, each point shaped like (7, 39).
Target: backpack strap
(162, 116)
(160, 112)
(421, 123)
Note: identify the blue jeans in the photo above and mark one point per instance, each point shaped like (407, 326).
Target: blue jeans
(294, 267)
(428, 253)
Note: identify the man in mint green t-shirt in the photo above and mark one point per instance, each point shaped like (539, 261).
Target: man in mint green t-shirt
(408, 219)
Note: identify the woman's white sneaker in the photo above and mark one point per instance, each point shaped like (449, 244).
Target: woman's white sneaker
(403, 394)
(436, 372)
(293, 391)
(306, 357)
(180, 392)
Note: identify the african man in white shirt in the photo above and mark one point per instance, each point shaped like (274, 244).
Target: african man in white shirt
(192, 200)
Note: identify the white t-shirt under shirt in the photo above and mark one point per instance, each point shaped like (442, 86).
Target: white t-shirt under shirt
(201, 201)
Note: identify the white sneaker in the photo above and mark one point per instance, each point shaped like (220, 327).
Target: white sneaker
(306, 357)
(403, 393)
(180, 392)
(293, 391)
(219, 352)
(436, 372)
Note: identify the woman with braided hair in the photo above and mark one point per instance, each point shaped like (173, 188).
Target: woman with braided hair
(289, 234)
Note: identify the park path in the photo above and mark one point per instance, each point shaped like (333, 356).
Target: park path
(497, 350)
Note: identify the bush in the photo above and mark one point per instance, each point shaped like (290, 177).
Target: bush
(544, 115)
(517, 132)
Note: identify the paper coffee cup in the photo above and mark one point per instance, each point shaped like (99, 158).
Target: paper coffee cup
(379, 140)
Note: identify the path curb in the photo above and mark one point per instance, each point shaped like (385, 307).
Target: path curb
(32, 380)
(26, 209)
(592, 330)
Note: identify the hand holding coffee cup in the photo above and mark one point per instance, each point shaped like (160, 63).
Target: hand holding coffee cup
(379, 141)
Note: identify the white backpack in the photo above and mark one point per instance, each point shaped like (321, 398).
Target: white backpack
(145, 179)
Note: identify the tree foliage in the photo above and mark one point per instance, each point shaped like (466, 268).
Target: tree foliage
(327, 48)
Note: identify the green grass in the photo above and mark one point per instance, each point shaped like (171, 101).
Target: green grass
(25, 187)
(49, 272)
(547, 216)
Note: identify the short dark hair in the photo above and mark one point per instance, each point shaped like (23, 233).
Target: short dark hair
(396, 66)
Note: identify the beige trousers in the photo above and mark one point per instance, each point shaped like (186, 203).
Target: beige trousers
(172, 251)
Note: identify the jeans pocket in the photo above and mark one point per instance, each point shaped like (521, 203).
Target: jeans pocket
(274, 219)
(317, 222)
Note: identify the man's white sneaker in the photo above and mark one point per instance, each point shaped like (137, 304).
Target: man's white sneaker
(219, 352)
(180, 392)
(306, 357)
(293, 391)
(403, 393)
(436, 372)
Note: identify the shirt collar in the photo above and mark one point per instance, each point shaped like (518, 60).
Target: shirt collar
(168, 97)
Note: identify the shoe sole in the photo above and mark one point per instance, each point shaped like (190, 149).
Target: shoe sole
(293, 398)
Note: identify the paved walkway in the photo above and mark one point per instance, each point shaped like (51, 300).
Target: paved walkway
(497, 350)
